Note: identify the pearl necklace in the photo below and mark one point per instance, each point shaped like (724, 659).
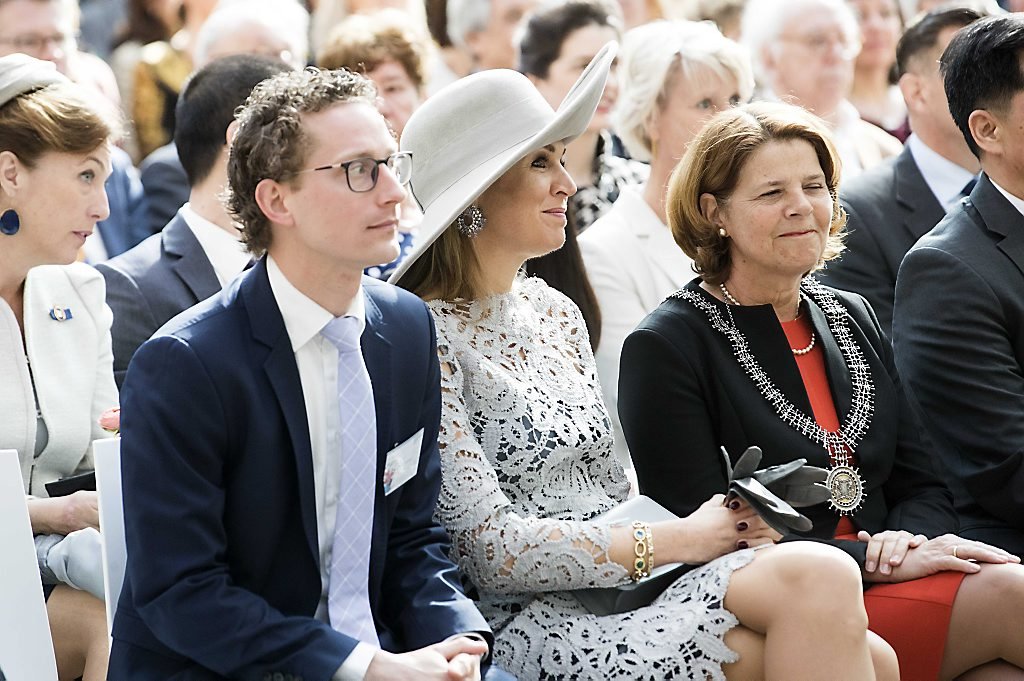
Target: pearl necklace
(729, 298)
(845, 485)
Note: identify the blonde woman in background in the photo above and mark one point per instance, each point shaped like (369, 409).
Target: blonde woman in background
(673, 76)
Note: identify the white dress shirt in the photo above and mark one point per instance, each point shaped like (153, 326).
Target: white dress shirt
(945, 178)
(317, 362)
(225, 252)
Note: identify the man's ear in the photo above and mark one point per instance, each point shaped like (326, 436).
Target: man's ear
(987, 130)
(910, 86)
(229, 134)
(271, 197)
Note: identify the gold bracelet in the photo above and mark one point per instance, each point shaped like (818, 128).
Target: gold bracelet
(642, 550)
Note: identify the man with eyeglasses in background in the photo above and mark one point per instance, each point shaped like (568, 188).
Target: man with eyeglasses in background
(292, 422)
(803, 53)
(46, 29)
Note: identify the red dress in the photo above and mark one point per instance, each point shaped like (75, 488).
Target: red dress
(912, 616)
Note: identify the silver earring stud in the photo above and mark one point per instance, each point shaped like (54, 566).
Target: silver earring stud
(722, 233)
(471, 221)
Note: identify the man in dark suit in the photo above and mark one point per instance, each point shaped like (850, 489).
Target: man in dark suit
(894, 204)
(958, 327)
(279, 440)
(198, 251)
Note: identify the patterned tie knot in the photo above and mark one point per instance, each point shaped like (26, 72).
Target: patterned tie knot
(343, 333)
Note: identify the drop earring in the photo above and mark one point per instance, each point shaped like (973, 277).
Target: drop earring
(10, 223)
(471, 221)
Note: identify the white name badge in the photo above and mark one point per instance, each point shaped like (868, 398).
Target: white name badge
(402, 463)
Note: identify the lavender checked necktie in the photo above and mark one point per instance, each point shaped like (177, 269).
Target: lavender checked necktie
(348, 602)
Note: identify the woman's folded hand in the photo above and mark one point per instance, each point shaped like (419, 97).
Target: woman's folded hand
(946, 553)
(716, 528)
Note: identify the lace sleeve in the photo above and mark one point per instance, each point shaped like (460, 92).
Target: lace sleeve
(500, 550)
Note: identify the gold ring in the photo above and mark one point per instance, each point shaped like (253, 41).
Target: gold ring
(954, 552)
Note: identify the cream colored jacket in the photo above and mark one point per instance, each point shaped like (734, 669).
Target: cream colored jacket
(72, 363)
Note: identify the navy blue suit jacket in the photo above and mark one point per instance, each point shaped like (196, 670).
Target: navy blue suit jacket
(223, 576)
(152, 283)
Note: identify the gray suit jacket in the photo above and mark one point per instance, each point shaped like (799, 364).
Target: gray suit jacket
(889, 207)
(147, 286)
(958, 333)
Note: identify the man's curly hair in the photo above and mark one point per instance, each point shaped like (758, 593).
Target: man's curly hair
(270, 142)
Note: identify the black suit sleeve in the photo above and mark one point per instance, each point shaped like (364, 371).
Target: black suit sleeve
(952, 348)
(863, 268)
(917, 499)
(134, 322)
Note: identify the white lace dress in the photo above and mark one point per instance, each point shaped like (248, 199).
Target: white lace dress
(526, 457)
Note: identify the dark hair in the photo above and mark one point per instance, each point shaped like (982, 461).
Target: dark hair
(271, 142)
(206, 107)
(437, 21)
(922, 35)
(549, 26)
(142, 25)
(564, 270)
(981, 69)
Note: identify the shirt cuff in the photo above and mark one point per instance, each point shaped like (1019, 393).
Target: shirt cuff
(355, 665)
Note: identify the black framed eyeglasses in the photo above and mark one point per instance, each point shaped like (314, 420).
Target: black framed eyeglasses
(361, 173)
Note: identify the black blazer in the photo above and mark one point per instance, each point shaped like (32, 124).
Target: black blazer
(889, 208)
(147, 286)
(683, 394)
(959, 341)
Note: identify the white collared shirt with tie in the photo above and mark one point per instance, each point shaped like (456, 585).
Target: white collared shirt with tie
(317, 361)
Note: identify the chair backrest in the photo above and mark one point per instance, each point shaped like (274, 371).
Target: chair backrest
(107, 459)
(26, 649)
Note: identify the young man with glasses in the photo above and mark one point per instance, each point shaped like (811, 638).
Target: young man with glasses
(279, 440)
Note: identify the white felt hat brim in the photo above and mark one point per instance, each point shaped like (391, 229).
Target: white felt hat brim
(443, 184)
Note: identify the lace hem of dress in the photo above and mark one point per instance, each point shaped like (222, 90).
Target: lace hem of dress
(679, 636)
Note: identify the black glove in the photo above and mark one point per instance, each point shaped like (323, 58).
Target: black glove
(773, 492)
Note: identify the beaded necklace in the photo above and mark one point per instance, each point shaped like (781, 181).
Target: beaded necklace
(844, 482)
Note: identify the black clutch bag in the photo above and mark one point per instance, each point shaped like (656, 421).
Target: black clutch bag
(616, 599)
(70, 485)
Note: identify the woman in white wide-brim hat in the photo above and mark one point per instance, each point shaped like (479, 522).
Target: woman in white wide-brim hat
(525, 440)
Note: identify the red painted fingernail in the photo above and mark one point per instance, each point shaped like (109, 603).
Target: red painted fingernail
(742, 544)
(734, 505)
(741, 526)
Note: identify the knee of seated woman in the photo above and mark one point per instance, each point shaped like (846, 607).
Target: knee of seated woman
(805, 567)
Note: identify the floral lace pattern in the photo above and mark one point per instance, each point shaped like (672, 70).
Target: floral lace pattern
(526, 457)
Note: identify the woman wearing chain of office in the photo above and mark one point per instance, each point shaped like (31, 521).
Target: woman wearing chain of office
(755, 352)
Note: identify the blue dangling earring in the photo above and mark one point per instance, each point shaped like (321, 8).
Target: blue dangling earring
(10, 223)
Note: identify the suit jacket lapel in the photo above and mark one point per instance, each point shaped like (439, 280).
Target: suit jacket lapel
(770, 346)
(192, 265)
(377, 354)
(923, 210)
(1000, 217)
(268, 328)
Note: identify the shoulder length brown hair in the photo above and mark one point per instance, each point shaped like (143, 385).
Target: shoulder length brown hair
(712, 165)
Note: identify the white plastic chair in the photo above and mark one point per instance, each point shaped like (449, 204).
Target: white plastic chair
(107, 459)
(26, 649)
